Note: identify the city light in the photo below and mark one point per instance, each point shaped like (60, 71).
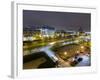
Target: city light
(65, 53)
(52, 43)
(51, 40)
(77, 51)
(82, 47)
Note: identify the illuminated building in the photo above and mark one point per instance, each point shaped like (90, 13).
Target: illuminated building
(47, 31)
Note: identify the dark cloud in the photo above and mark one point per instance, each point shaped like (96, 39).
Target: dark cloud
(59, 20)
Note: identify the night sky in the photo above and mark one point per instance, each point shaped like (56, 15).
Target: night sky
(58, 20)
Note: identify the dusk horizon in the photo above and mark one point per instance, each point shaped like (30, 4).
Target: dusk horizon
(58, 20)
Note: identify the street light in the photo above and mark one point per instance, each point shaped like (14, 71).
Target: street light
(82, 47)
(65, 53)
(77, 51)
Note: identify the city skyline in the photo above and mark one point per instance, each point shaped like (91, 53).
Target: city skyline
(56, 39)
(58, 20)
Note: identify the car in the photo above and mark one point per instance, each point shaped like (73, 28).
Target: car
(81, 60)
(84, 60)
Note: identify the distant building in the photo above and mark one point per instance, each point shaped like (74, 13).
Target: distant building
(61, 33)
(80, 31)
(27, 32)
(37, 33)
(72, 32)
(88, 33)
(47, 31)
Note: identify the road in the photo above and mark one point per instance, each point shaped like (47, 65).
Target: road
(49, 52)
(54, 57)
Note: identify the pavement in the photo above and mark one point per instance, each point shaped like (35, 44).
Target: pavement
(85, 60)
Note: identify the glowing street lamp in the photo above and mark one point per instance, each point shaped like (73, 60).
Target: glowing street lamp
(82, 47)
(77, 51)
(65, 53)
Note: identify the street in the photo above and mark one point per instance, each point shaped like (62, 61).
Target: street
(64, 60)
